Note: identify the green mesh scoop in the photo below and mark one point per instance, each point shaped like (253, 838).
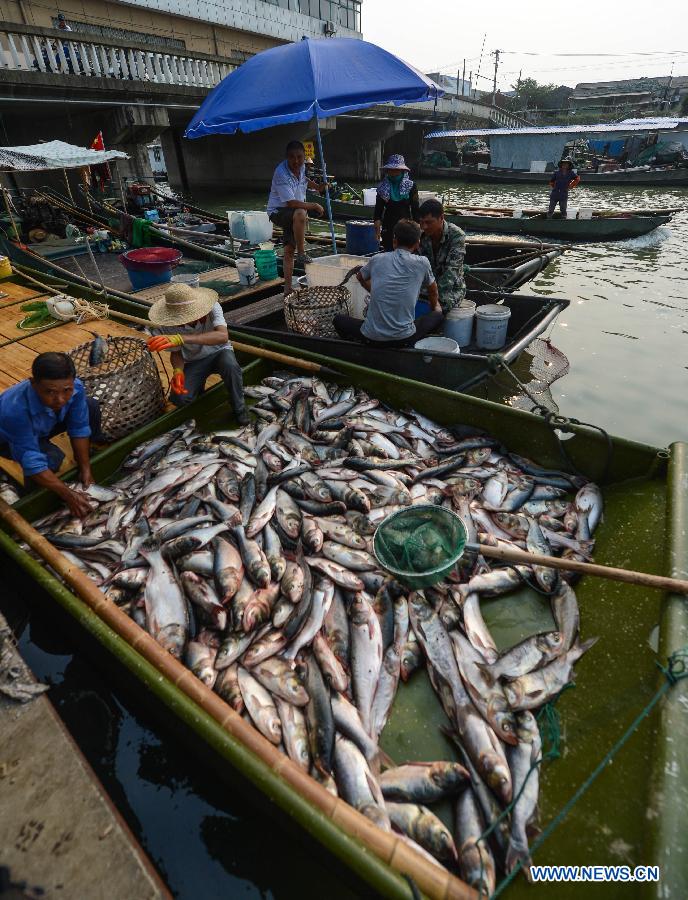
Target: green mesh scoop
(420, 545)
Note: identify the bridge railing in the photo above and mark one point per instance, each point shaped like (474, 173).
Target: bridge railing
(65, 53)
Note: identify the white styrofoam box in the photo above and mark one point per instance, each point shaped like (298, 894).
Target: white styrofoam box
(330, 270)
(538, 166)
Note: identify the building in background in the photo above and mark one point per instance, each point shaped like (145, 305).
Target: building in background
(234, 29)
(452, 84)
(638, 96)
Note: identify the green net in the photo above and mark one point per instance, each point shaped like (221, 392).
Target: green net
(420, 540)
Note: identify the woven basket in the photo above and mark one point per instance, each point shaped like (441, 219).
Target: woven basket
(311, 310)
(126, 385)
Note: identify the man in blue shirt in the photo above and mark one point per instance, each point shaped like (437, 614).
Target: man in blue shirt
(51, 402)
(394, 281)
(288, 209)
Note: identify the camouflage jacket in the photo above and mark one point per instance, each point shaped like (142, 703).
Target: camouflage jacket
(447, 265)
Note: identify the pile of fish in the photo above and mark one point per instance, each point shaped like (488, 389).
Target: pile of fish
(248, 555)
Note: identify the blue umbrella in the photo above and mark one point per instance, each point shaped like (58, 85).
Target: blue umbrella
(305, 80)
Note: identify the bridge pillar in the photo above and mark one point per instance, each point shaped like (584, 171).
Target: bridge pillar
(131, 129)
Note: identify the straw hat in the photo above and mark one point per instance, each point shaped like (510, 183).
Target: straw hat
(182, 304)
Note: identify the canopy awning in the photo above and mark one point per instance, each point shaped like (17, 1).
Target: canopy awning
(53, 155)
(658, 124)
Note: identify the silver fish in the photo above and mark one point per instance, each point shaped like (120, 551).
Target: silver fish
(260, 706)
(366, 656)
(532, 690)
(294, 733)
(355, 781)
(166, 614)
(425, 828)
(526, 779)
(201, 594)
(278, 677)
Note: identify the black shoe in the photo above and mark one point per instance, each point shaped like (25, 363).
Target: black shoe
(242, 417)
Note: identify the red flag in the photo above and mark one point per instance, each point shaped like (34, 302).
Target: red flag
(98, 143)
(100, 173)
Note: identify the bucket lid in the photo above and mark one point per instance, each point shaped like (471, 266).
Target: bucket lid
(438, 344)
(493, 311)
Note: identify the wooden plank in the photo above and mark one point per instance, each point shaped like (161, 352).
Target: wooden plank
(15, 364)
(17, 291)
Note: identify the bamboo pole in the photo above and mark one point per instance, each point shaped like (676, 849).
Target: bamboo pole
(433, 880)
(508, 554)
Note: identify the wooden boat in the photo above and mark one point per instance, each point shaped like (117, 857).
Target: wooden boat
(659, 177)
(492, 264)
(530, 317)
(641, 481)
(605, 225)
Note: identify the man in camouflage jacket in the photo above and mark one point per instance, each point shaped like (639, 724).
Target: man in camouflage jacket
(444, 245)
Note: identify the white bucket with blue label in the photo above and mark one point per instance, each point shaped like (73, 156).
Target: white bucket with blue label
(492, 322)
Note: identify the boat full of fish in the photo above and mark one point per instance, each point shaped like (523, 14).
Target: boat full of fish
(247, 554)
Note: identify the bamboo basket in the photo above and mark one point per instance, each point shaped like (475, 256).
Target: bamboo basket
(312, 310)
(126, 385)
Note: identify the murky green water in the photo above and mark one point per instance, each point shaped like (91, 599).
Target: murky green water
(626, 331)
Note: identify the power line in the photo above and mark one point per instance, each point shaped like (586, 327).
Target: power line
(628, 53)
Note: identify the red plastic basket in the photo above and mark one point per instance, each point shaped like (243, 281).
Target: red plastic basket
(151, 259)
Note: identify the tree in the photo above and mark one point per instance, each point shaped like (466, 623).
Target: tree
(532, 95)
(684, 106)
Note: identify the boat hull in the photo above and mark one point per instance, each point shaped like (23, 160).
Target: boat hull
(530, 317)
(599, 228)
(658, 177)
(619, 540)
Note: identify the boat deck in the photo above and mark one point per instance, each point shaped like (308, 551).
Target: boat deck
(59, 831)
(18, 349)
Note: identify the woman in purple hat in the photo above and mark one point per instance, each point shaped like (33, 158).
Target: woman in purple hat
(397, 198)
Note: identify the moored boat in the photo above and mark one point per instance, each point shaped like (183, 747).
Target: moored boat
(530, 317)
(637, 485)
(602, 225)
(665, 176)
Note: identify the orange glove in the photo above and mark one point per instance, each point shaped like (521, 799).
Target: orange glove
(177, 382)
(164, 342)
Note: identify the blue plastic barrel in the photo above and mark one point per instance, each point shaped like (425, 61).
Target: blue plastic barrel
(360, 238)
(140, 280)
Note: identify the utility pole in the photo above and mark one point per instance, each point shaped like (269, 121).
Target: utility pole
(518, 89)
(463, 78)
(494, 83)
(470, 84)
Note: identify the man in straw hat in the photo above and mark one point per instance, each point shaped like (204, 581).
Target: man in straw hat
(190, 324)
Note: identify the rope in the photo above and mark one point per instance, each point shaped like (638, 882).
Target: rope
(554, 421)
(675, 670)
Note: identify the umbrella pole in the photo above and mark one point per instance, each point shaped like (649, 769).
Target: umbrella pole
(327, 188)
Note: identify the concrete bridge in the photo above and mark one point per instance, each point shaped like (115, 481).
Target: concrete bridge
(70, 85)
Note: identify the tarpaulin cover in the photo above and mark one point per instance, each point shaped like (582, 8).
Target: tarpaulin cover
(295, 82)
(53, 155)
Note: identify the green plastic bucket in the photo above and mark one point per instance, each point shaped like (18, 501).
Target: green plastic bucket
(420, 545)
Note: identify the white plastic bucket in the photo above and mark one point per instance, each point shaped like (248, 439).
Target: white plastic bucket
(192, 279)
(438, 345)
(369, 195)
(458, 324)
(258, 227)
(517, 214)
(330, 270)
(247, 271)
(572, 212)
(585, 212)
(492, 322)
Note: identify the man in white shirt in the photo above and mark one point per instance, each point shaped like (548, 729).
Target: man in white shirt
(190, 324)
(288, 209)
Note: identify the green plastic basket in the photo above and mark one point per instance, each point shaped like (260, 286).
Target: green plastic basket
(420, 545)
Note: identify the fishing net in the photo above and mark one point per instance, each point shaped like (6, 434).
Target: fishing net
(544, 364)
(420, 540)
